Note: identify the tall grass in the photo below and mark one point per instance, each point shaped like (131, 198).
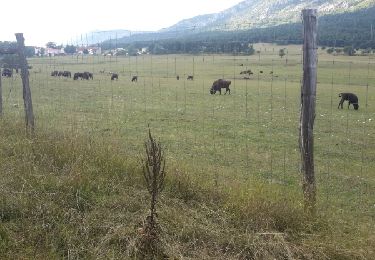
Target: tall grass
(232, 192)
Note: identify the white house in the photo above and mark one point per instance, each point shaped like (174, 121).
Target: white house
(54, 52)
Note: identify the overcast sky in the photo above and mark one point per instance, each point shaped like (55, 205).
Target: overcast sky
(61, 21)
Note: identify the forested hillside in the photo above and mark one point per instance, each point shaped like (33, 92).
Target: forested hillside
(347, 29)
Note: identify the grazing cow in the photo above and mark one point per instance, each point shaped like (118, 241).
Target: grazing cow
(351, 98)
(135, 78)
(261, 71)
(219, 84)
(7, 73)
(85, 75)
(114, 76)
(190, 77)
(77, 75)
(67, 74)
(88, 75)
(247, 72)
(178, 77)
(54, 73)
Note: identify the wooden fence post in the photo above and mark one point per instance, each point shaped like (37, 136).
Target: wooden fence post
(28, 104)
(307, 114)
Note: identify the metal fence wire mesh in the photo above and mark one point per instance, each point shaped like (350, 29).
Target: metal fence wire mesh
(253, 131)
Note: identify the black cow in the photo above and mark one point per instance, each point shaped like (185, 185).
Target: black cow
(85, 75)
(190, 77)
(135, 78)
(7, 73)
(77, 75)
(247, 72)
(67, 74)
(114, 76)
(219, 84)
(88, 75)
(54, 73)
(178, 77)
(351, 98)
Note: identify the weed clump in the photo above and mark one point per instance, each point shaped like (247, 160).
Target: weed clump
(153, 165)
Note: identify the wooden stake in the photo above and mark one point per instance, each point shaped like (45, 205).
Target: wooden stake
(307, 115)
(28, 104)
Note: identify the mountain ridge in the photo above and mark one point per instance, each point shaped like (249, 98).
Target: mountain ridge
(266, 13)
(248, 14)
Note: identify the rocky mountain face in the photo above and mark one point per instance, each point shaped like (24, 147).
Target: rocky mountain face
(266, 13)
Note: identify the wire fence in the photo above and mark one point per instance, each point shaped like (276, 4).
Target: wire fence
(253, 132)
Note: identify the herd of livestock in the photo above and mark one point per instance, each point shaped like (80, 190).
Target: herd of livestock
(78, 75)
(217, 85)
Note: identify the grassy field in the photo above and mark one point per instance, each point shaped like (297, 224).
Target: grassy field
(232, 160)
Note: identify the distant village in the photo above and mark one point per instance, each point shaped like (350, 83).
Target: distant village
(51, 51)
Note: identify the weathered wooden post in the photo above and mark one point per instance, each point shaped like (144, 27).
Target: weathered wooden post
(307, 116)
(27, 101)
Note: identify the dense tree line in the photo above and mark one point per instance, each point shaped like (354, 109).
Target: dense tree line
(191, 46)
(340, 30)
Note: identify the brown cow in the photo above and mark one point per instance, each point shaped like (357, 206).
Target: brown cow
(219, 84)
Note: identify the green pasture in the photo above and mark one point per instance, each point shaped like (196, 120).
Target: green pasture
(252, 132)
(223, 141)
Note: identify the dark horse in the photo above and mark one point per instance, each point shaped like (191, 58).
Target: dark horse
(351, 98)
(219, 84)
